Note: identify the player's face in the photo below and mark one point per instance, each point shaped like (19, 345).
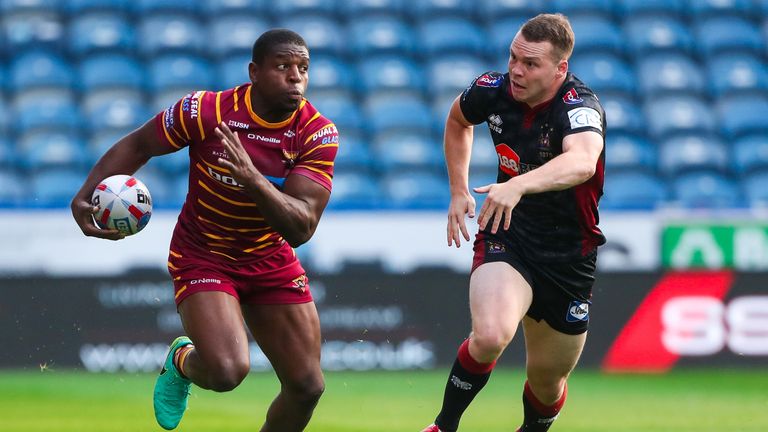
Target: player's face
(534, 73)
(282, 77)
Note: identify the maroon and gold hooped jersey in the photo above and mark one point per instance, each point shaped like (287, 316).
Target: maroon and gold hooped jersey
(219, 221)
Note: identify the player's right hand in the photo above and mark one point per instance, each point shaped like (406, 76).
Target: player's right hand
(83, 211)
(461, 204)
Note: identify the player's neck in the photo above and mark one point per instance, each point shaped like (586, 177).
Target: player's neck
(268, 114)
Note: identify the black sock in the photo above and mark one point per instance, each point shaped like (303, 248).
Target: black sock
(461, 388)
(538, 417)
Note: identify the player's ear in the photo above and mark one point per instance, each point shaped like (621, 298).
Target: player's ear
(253, 72)
(562, 68)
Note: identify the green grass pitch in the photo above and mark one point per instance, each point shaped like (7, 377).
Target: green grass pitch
(683, 401)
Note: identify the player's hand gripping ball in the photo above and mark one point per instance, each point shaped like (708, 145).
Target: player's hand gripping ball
(124, 204)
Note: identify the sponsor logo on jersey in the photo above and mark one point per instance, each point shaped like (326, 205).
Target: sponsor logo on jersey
(185, 102)
(193, 107)
(204, 280)
(545, 150)
(168, 117)
(325, 131)
(495, 247)
(300, 283)
(259, 137)
(572, 98)
(238, 124)
(488, 80)
(290, 134)
(509, 161)
(577, 311)
(494, 123)
(585, 117)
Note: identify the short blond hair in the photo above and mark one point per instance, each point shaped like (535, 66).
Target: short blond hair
(552, 28)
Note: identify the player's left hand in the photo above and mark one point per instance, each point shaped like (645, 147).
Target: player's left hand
(502, 199)
(239, 163)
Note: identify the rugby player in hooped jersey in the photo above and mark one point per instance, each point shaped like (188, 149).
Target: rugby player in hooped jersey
(535, 253)
(261, 163)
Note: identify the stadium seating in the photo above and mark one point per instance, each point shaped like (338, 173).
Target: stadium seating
(654, 34)
(53, 187)
(416, 190)
(737, 73)
(670, 73)
(101, 31)
(684, 85)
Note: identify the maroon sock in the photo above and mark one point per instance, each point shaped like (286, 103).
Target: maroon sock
(537, 416)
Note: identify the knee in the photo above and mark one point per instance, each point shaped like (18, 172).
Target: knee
(307, 390)
(548, 385)
(489, 342)
(228, 374)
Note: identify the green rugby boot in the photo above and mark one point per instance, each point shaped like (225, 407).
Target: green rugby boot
(171, 389)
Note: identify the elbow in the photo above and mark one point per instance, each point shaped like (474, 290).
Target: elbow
(298, 238)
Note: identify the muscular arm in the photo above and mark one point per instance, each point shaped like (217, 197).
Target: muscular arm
(573, 167)
(125, 157)
(458, 148)
(293, 212)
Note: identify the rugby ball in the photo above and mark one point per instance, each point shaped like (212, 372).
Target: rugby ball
(124, 204)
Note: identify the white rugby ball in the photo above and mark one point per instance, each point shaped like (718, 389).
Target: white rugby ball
(124, 204)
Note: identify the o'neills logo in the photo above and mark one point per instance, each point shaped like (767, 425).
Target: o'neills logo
(204, 280)
(509, 161)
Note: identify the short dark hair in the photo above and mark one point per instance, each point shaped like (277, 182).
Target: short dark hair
(267, 41)
(552, 28)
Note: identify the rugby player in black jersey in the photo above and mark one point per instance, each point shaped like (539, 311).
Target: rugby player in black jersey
(535, 252)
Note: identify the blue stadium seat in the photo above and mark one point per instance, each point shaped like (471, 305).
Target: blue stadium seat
(441, 36)
(693, 152)
(46, 109)
(354, 153)
(355, 190)
(408, 150)
(633, 190)
(163, 33)
(54, 187)
(224, 7)
(630, 152)
(181, 73)
(383, 112)
(311, 7)
(431, 9)
(171, 7)
(353, 9)
(440, 105)
(390, 73)
(5, 116)
(32, 30)
(500, 34)
(604, 72)
(453, 73)
(741, 115)
(101, 141)
(622, 114)
(706, 8)
(655, 34)
(607, 8)
(15, 188)
(373, 35)
(176, 163)
(15, 6)
(500, 9)
(706, 190)
(727, 35)
(48, 149)
(753, 187)
(635, 8)
(233, 71)
(110, 71)
(159, 184)
(664, 74)
(750, 153)
(8, 154)
(235, 34)
(101, 31)
(342, 110)
(416, 190)
(677, 114)
(331, 73)
(39, 69)
(737, 74)
(322, 34)
(595, 33)
(77, 7)
(761, 7)
(114, 110)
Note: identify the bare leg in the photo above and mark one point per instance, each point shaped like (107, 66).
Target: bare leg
(214, 322)
(289, 335)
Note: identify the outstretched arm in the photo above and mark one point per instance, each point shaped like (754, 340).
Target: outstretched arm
(458, 148)
(125, 157)
(293, 212)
